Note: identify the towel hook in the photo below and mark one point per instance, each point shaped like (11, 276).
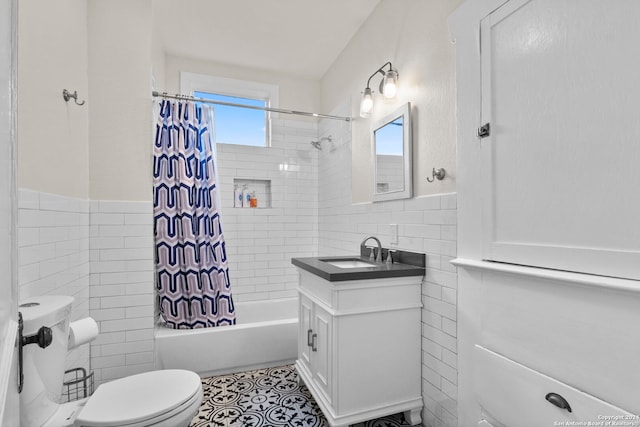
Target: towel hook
(437, 173)
(68, 95)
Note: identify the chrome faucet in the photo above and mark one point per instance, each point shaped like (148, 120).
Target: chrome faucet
(379, 256)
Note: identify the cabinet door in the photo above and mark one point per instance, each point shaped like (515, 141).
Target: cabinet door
(305, 329)
(322, 350)
(561, 167)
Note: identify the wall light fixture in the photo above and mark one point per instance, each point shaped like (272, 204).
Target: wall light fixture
(388, 88)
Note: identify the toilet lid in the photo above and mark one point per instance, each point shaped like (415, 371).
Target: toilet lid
(138, 398)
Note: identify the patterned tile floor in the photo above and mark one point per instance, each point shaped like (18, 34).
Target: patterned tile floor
(265, 397)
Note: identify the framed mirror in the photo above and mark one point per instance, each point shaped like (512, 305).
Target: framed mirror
(391, 149)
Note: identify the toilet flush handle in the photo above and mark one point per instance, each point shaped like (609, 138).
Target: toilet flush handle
(43, 338)
(559, 401)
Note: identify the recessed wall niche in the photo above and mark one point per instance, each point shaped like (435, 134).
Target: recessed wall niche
(258, 188)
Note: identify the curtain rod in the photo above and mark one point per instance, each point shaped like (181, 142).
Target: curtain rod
(231, 104)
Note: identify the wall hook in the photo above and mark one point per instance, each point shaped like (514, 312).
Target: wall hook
(67, 96)
(437, 173)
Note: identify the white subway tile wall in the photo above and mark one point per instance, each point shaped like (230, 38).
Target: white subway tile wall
(260, 241)
(425, 224)
(53, 254)
(122, 288)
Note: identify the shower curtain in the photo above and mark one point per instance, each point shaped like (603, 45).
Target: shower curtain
(192, 276)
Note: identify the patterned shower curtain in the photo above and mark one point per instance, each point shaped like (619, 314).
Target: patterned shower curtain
(192, 276)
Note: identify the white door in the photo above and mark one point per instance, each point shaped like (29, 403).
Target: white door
(9, 406)
(561, 167)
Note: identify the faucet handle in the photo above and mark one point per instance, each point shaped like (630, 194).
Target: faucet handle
(390, 256)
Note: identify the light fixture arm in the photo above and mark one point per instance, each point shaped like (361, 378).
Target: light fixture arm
(381, 71)
(388, 88)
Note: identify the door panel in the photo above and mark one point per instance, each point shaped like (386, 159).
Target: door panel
(321, 356)
(560, 168)
(305, 318)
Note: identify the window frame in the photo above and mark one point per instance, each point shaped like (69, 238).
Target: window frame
(192, 82)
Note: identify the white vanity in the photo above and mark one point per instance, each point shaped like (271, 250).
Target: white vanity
(359, 342)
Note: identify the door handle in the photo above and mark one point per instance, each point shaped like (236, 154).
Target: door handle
(313, 342)
(309, 331)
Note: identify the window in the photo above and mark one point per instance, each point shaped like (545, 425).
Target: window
(235, 125)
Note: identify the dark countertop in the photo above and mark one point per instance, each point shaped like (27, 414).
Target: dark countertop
(324, 270)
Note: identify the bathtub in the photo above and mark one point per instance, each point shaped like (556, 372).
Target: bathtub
(266, 335)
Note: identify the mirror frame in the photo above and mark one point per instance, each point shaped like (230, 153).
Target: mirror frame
(403, 111)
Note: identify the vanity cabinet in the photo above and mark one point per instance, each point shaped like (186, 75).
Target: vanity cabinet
(314, 344)
(359, 347)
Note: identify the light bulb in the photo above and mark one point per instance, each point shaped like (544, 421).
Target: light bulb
(366, 105)
(390, 86)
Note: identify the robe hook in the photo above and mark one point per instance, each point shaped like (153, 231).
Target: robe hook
(68, 95)
(437, 173)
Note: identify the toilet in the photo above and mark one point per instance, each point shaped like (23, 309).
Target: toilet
(166, 398)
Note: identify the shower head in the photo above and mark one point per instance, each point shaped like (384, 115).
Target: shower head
(318, 144)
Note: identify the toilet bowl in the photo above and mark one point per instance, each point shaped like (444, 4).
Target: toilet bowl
(166, 398)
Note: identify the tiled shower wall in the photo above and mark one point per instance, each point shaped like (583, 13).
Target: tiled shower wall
(425, 224)
(261, 242)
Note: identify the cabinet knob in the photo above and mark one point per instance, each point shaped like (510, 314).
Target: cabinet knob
(309, 331)
(559, 401)
(313, 342)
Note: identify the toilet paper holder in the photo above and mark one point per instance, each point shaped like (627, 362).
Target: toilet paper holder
(81, 332)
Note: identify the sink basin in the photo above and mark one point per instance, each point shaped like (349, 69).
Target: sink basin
(349, 263)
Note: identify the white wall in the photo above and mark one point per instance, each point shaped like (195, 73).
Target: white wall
(53, 145)
(413, 35)
(157, 58)
(103, 50)
(120, 124)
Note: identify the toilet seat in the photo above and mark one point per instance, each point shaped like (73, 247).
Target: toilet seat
(140, 400)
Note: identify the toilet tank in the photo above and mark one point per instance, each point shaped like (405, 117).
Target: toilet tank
(43, 369)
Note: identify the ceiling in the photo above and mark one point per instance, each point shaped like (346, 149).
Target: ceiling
(299, 38)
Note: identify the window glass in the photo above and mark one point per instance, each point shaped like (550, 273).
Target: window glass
(238, 125)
